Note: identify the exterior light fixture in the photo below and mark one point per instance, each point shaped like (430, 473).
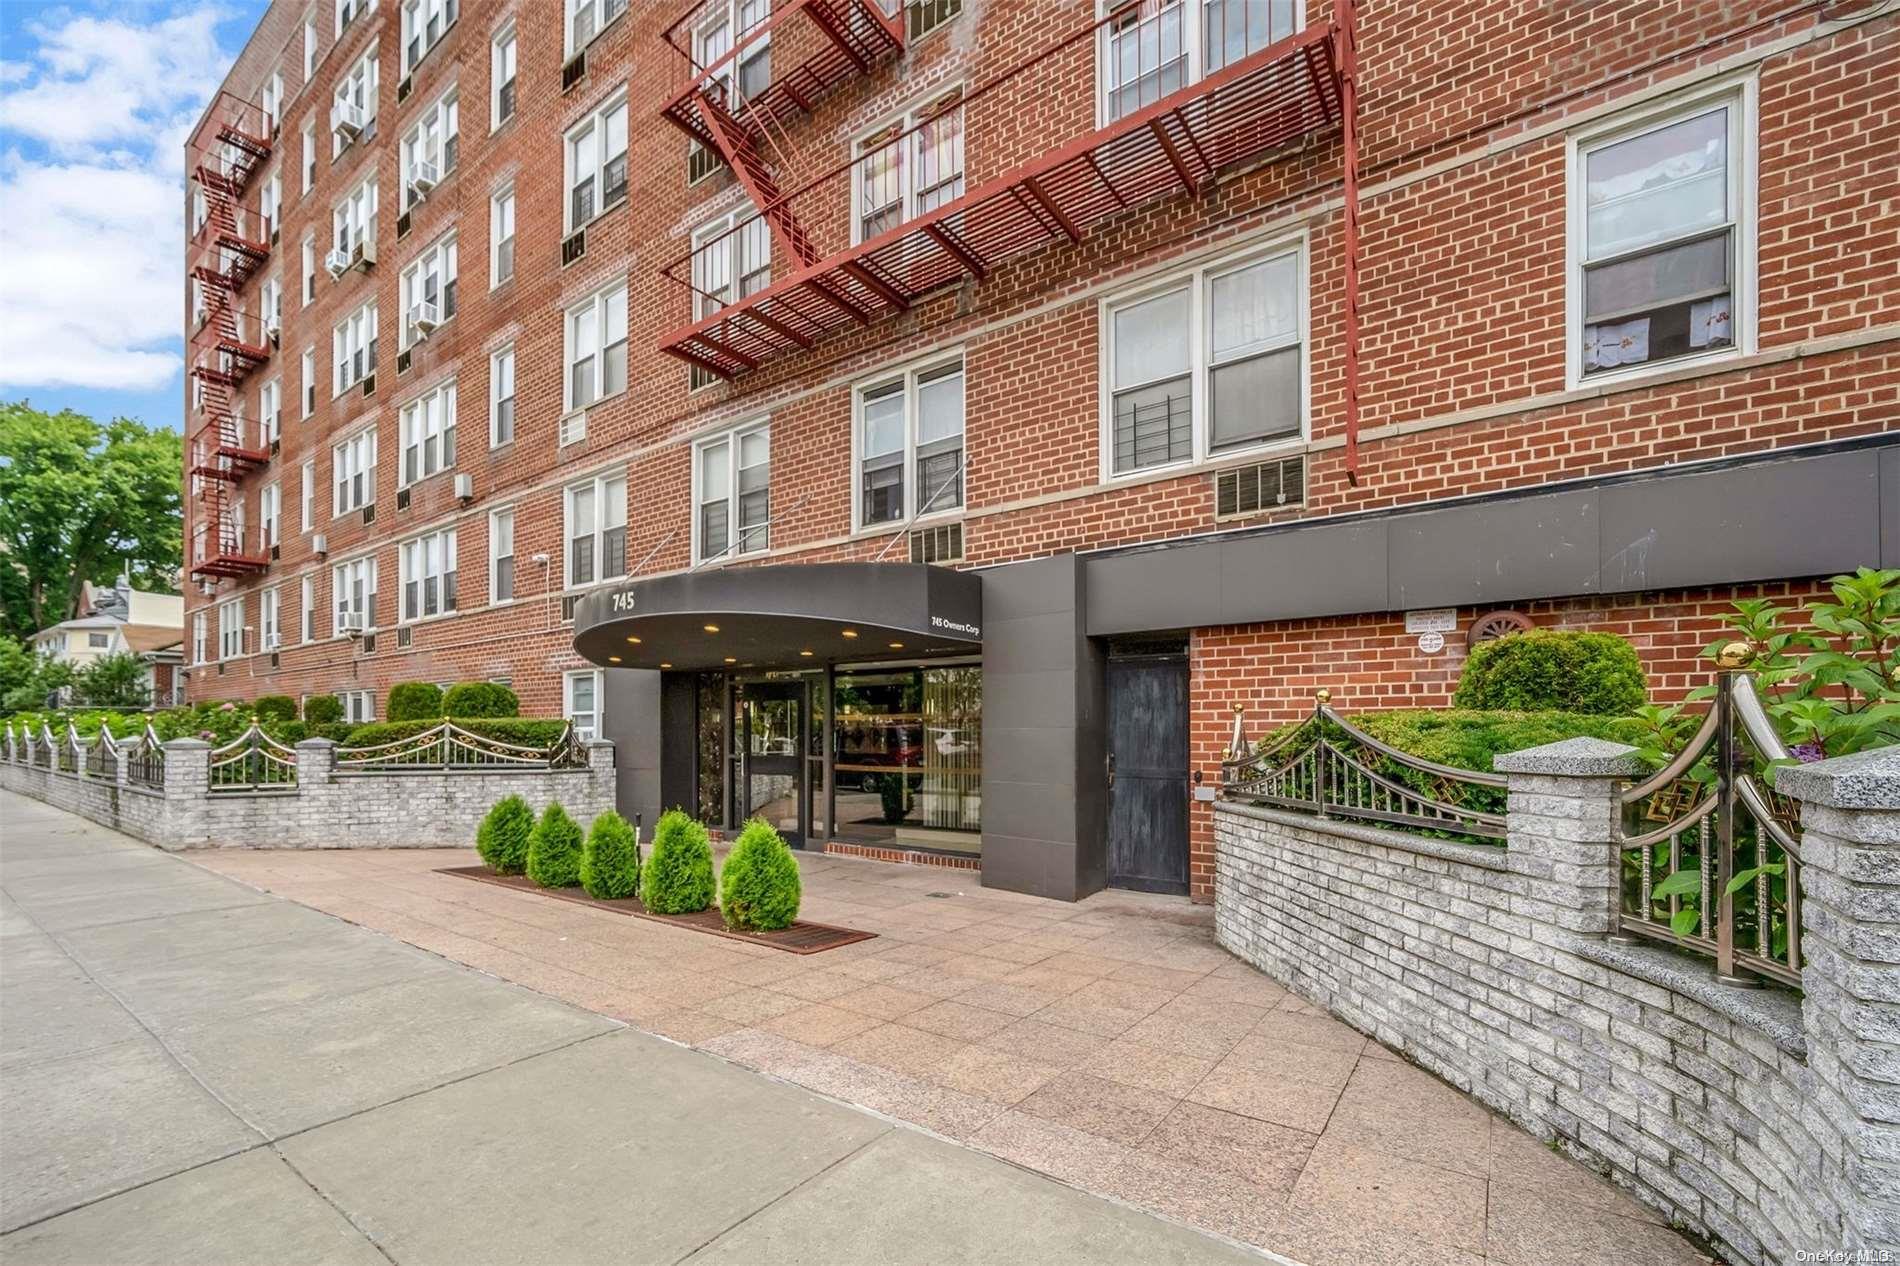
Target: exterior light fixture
(897, 646)
(664, 664)
(850, 632)
(731, 659)
(613, 659)
(804, 654)
(711, 628)
(633, 641)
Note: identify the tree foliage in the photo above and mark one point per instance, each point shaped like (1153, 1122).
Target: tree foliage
(113, 681)
(610, 860)
(554, 849)
(678, 875)
(502, 838)
(77, 500)
(759, 888)
(1558, 670)
(26, 678)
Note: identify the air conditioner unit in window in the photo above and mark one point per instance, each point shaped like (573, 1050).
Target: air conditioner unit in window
(424, 178)
(320, 545)
(351, 621)
(365, 253)
(465, 487)
(402, 498)
(369, 514)
(404, 86)
(573, 70)
(573, 246)
(573, 428)
(273, 640)
(337, 262)
(424, 316)
(402, 226)
(346, 120)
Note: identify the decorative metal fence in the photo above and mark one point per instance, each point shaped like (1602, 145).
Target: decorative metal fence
(69, 753)
(1330, 768)
(448, 746)
(145, 761)
(102, 755)
(253, 761)
(1711, 853)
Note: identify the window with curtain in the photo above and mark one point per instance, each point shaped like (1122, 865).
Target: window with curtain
(1253, 375)
(1152, 401)
(734, 493)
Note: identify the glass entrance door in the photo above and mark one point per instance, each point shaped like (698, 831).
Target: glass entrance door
(772, 783)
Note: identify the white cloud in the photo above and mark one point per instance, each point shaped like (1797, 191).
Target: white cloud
(92, 197)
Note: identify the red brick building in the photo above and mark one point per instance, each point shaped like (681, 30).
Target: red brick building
(1188, 345)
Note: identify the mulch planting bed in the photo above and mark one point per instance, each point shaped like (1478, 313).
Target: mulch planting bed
(800, 938)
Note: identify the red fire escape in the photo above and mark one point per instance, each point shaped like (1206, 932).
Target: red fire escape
(230, 146)
(1274, 95)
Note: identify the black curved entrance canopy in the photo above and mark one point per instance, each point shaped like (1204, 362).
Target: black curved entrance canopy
(780, 616)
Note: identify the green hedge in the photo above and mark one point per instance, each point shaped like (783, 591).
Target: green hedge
(554, 849)
(480, 699)
(610, 860)
(678, 876)
(1554, 669)
(275, 708)
(415, 701)
(1468, 738)
(759, 887)
(322, 709)
(502, 838)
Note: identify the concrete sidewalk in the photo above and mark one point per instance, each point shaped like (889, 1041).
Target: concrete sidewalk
(192, 1071)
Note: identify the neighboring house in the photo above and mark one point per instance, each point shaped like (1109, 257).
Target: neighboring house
(122, 620)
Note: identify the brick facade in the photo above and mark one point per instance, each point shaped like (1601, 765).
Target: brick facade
(1463, 281)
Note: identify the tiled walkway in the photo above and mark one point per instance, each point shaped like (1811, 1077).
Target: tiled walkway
(1109, 1043)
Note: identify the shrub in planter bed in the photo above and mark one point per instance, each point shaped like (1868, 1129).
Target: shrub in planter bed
(1554, 669)
(479, 699)
(759, 887)
(274, 709)
(415, 701)
(554, 849)
(610, 860)
(678, 875)
(322, 710)
(502, 838)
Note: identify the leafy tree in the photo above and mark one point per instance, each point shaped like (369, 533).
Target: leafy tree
(77, 499)
(27, 678)
(113, 681)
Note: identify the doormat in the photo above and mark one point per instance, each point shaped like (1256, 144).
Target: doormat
(800, 938)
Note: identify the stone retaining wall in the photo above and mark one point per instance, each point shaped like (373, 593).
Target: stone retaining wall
(1762, 1121)
(324, 809)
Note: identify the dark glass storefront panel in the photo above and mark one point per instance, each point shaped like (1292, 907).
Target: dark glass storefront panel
(907, 754)
(710, 691)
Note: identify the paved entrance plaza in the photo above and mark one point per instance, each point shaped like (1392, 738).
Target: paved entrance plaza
(195, 1070)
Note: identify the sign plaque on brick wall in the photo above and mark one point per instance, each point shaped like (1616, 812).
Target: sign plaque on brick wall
(1434, 620)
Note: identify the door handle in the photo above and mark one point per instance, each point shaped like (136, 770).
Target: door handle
(1111, 769)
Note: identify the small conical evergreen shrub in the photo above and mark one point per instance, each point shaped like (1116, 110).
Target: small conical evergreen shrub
(759, 887)
(554, 850)
(610, 860)
(678, 875)
(502, 838)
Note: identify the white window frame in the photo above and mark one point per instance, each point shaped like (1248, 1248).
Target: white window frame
(1740, 93)
(602, 14)
(307, 610)
(269, 625)
(903, 122)
(200, 637)
(354, 334)
(353, 219)
(350, 459)
(908, 375)
(496, 517)
(438, 261)
(503, 47)
(348, 11)
(600, 486)
(417, 13)
(751, 244)
(590, 134)
(270, 511)
(309, 154)
(359, 706)
(427, 430)
(501, 364)
(435, 138)
(344, 596)
(421, 560)
(308, 368)
(308, 295)
(307, 488)
(231, 628)
(270, 100)
(595, 715)
(1193, 43)
(501, 216)
(599, 306)
(761, 533)
(359, 87)
(1196, 282)
(270, 406)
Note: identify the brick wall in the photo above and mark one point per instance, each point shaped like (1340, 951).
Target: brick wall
(1462, 278)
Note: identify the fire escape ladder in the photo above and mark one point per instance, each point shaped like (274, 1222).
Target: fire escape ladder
(730, 139)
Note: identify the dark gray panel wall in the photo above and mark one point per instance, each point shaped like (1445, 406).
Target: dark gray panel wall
(1890, 507)
(1041, 733)
(633, 722)
(1539, 547)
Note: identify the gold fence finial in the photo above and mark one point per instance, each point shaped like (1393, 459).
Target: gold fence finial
(1237, 742)
(1736, 654)
(1324, 696)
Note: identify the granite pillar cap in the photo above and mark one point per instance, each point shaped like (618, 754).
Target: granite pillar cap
(1865, 780)
(1573, 758)
(186, 744)
(316, 742)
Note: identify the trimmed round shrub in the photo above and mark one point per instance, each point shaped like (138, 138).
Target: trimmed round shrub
(759, 887)
(322, 710)
(502, 838)
(1554, 670)
(610, 860)
(554, 849)
(275, 708)
(415, 701)
(678, 875)
(480, 699)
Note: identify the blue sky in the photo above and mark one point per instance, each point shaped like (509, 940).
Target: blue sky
(95, 102)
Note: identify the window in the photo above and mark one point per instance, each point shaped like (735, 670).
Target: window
(596, 530)
(501, 237)
(588, 18)
(428, 575)
(925, 16)
(268, 412)
(200, 639)
(423, 24)
(353, 469)
(270, 306)
(309, 261)
(1206, 364)
(353, 114)
(428, 434)
(501, 555)
(270, 507)
(309, 371)
(501, 397)
(355, 348)
(902, 173)
(307, 496)
(98, 641)
(200, 210)
(429, 149)
(428, 290)
(501, 68)
(267, 621)
(910, 445)
(1661, 236)
(231, 628)
(712, 40)
(732, 506)
(358, 705)
(309, 155)
(597, 162)
(581, 702)
(353, 589)
(722, 254)
(347, 11)
(597, 348)
(307, 611)
(270, 205)
(355, 218)
(270, 101)
(1153, 47)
